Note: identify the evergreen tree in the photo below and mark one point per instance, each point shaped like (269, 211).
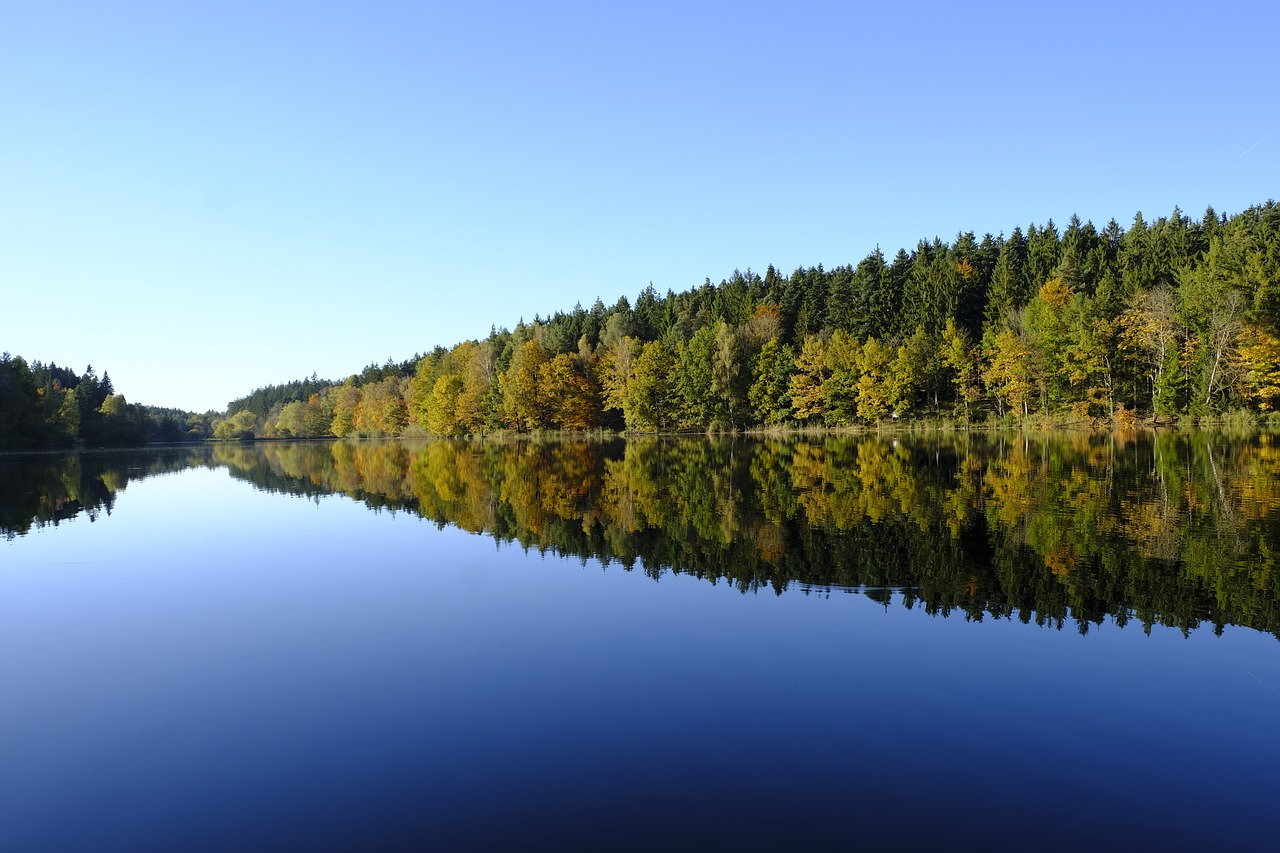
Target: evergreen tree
(1008, 291)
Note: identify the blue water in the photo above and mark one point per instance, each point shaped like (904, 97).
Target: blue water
(214, 667)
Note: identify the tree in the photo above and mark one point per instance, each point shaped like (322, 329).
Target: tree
(651, 399)
(1008, 372)
(873, 392)
(523, 405)
(20, 423)
(570, 398)
(960, 357)
(840, 388)
(701, 406)
(242, 425)
(1223, 334)
(1211, 307)
(1046, 332)
(1149, 327)
(381, 409)
(933, 288)
(318, 415)
(479, 375)
(766, 324)
(806, 385)
(841, 306)
(915, 372)
(728, 383)
(771, 372)
(346, 398)
(617, 372)
(1259, 359)
(1043, 248)
(442, 412)
(1087, 357)
(874, 306)
(647, 317)
(291, 421)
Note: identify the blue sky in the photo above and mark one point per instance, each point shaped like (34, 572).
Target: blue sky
(205, 198)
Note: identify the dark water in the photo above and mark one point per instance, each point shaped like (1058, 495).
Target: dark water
(1048, 644)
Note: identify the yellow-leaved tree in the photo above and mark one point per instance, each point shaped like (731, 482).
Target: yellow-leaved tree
(873, 390)
(1259, 359)
(1008, 373)
(523, 406)
(960, 357)
(808, 379)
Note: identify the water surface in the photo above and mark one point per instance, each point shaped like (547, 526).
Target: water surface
(1048, 643)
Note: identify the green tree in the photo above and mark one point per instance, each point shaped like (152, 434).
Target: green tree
(874, 305)
(700, 405)
(728, 379)
(771, 372)
(1043, 252)
(840, 388)
(1212, 308)
(1008, 291)
(20, 423)
(1046, 331)
(240, 426)
(1088, 356)
(651, 397)
(291, 422)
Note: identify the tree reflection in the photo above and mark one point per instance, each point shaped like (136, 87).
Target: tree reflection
(47, 489)
(1165, 529)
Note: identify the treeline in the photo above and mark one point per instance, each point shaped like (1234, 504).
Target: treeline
(1171, 319)
(47, 406)
(1176, 319)
(263, 401)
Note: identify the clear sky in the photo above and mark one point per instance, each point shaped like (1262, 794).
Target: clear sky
(204, 198)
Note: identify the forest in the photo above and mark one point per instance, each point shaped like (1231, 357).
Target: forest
(1166, 321)
(44, 406)
(1175, 320)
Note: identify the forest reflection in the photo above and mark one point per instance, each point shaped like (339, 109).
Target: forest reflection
(1063, 530)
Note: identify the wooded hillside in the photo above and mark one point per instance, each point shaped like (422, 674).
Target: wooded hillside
(1165, 319)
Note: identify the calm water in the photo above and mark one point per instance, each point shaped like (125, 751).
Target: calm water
(1048, 644)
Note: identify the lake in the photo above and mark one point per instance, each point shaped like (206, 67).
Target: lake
(959, 640)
